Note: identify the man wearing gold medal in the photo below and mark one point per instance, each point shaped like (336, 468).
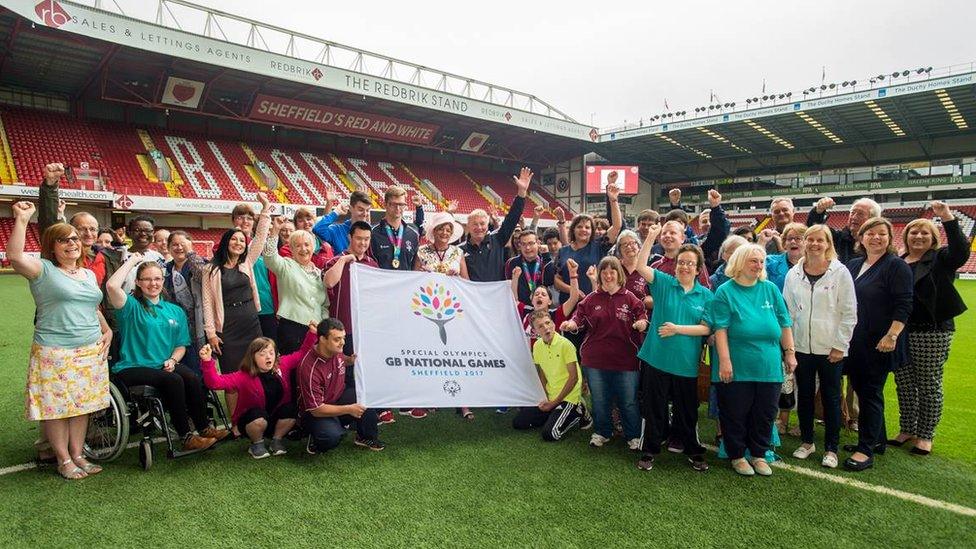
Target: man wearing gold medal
(393, 243)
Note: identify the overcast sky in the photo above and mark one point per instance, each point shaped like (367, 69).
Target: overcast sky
(612, 61)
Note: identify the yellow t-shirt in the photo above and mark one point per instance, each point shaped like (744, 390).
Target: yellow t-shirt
(552, 359)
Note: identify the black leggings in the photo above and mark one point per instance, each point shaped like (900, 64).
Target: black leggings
(182, 393)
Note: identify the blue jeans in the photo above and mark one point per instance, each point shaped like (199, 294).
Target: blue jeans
(607, 387)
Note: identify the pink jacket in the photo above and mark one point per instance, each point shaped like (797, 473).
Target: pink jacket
(250, 392)
(213, 300)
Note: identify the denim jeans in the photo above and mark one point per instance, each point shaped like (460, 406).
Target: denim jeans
(607, 387)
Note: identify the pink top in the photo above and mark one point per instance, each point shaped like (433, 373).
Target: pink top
(250, 392)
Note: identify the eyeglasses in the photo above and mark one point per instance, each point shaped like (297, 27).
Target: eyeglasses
(794, 239)
(400, 205)
(70, 239)
(686, 263)
(143, 230)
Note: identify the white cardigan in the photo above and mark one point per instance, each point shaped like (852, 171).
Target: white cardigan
(823, 315)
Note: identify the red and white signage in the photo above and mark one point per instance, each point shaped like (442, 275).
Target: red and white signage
(598, 177)
(289, 112)
(475, 142)
(182, 92)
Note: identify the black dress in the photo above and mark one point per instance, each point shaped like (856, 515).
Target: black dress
(241, 324)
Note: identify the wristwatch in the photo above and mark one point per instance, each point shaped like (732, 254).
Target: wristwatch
(893, 337)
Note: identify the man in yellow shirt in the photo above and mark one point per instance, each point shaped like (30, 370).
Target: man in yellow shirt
(555, 358)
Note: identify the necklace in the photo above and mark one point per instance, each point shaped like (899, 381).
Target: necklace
(71, 272)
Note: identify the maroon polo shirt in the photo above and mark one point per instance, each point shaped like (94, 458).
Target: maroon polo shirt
(320, 380)
(339, 304)
(611, 342)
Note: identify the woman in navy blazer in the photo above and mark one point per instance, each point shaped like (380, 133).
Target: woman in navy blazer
(883, 285)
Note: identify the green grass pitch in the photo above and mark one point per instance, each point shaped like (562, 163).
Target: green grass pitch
(444, 482)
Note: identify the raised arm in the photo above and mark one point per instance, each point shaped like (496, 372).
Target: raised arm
(514, 214)
(256, 248)
(272, 259)
(644, 255)
(516, 274)
(561, 226)
(956, 252)
(616, 223)
(818, 214)
(719, 225)
(48, 200)
(116, 295)
(536, 214)
(334, 274)
(574, 292)
(211, 378)
(23, 264)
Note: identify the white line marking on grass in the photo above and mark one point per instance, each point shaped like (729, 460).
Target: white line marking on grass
(33, 464)
(907, 496)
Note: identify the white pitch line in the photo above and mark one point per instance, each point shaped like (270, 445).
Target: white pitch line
(33, 464)
(868, 487)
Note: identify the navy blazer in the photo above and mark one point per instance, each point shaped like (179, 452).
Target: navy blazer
(936, 299)
(884, 294)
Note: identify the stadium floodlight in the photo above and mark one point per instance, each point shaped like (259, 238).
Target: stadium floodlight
(782, 95)
(895, 74)
(765, 98)
(748, 101)
(733, 104)
(823, 87)
(806, 92)
(920, 70)
(844, 84)
(853, 82)
(928, 70)
(813, 89)
(880, 77)
(788, 94)
(905, 73)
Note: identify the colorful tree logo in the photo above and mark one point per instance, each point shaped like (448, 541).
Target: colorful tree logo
(435, 303)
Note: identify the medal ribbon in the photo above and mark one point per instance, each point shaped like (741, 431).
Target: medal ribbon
(536, 276)
(396, 241)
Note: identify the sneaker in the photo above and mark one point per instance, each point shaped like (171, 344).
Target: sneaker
(698, 463)
(503, 410)
(310, 446)
(417, 413)
(675, 446)
(804, 451)
(385, 417)
(646, 462)
(634, 444)
(742, 467)
(278, 447)
(762, 467)
(829, 460)
(597, 440)
(258, 450)
(193, 442)
(214, 433)
(373, 444)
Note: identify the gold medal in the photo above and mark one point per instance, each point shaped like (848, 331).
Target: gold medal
(395, 263)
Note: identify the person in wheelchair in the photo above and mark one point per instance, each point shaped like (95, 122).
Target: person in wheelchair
(154, 337)
(263, 385)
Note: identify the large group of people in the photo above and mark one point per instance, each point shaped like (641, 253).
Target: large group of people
(790, 311)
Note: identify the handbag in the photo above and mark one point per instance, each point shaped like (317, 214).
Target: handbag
(704, 376)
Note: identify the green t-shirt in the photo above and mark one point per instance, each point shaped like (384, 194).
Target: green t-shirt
(754, 317)
(263, 284)
(67, 309)
(678, 354)
(149, 336)
(552, 360)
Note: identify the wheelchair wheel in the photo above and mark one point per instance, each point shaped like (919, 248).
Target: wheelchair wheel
(145, 454)
(108, 429)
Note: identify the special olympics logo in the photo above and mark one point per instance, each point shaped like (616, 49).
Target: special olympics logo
(435, 303)
(52, 14)
(452, 388)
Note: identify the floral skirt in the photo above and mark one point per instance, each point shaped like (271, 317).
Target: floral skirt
(63, 382)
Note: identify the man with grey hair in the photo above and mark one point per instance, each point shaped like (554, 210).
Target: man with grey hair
(845, 239)
(484, 252)
(781, 212)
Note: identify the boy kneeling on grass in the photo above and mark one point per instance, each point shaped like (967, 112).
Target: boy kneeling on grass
(326, 402)
(555, 358)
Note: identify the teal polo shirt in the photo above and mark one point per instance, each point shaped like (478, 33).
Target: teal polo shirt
(149, 334)
(678, 354)
(754, 317)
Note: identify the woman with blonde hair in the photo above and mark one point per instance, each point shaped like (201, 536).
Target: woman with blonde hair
(754, 338)
(930, 327)
(819, 294)
(68, 374)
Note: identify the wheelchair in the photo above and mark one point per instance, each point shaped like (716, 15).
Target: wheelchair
(139, 408)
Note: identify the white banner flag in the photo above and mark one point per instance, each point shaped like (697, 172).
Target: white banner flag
(427, 340)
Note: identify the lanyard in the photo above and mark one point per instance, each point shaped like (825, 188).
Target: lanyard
(397, 242)
(536, 276)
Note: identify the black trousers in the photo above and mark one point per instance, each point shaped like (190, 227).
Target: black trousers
(808, 369)
(555, 423)
(658, 389)
(290, 335)
(285, 411)
(182, 390)
(747, 410)
(269, 326)
(868, 382)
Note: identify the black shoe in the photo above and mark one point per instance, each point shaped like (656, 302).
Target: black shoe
(896, 442)
(698, 463)
(878, 450)
(373, 444)
(920, 452)
(675, 446)
(852, 465)
(646, 462)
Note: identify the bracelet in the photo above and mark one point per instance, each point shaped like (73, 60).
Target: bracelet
(789, 350)
(574, 278)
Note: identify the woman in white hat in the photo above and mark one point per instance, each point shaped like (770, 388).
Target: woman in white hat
(439, 255)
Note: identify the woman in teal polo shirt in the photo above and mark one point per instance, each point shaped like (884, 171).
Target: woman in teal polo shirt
(672, 350)
(754, 338)
(154, 337)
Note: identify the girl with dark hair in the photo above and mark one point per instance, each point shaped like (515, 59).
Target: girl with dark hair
(263, 385)
(154, 337)
(230, 295)
(68, 374)
(183, 284)
(585, 247)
